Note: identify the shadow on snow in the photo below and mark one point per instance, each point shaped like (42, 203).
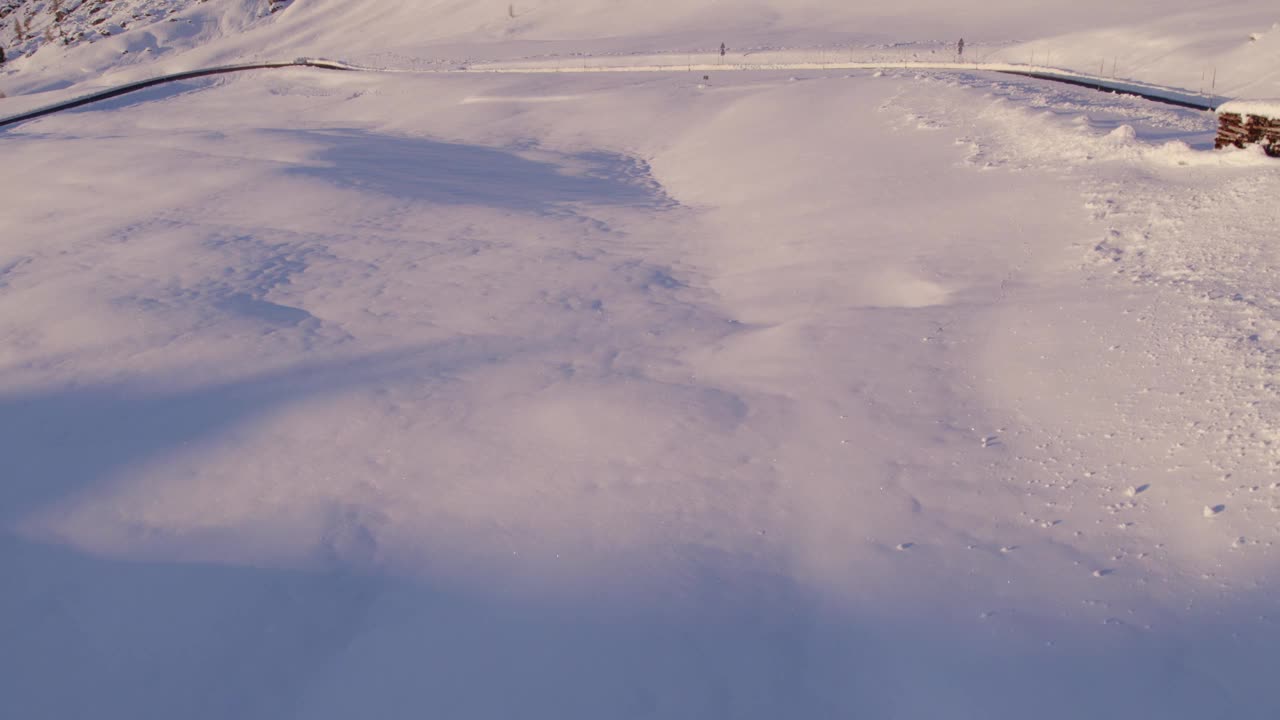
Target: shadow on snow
(423, 170)
(89, 637)
(84, 636)
(58, 442)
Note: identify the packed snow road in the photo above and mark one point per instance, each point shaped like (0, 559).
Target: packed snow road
(1170, 96)
(793, 394)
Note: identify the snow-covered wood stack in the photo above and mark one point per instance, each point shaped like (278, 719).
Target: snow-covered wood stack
(1254, 122)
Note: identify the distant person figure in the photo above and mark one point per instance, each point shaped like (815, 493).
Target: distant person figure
(723, 49)
(960, 48)
(1, 56)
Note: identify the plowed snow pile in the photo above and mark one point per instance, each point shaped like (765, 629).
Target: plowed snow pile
(824, 394)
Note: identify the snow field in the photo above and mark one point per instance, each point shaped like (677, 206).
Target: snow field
(604, 375)
(789, 394)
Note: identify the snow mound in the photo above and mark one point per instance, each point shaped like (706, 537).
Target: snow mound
(1264, 108)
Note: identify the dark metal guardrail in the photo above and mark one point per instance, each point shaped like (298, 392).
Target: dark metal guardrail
(175, 77)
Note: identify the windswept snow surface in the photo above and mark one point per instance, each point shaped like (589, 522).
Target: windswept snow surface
(802, 394)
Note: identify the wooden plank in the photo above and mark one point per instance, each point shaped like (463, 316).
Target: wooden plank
(1235, 130)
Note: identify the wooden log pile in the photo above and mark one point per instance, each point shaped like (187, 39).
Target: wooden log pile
(1241, 129)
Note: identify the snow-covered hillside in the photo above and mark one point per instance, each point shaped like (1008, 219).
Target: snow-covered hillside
(28, 26)
(1230, 48)
(814, 394)
(53, 45)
